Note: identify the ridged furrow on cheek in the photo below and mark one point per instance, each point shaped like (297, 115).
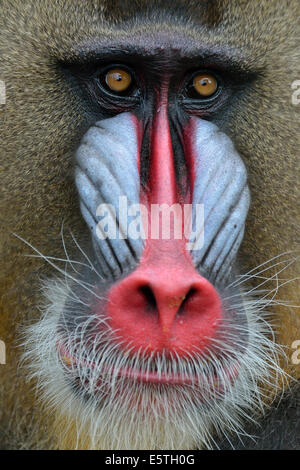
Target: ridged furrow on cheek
(108, 182)
(220, 185)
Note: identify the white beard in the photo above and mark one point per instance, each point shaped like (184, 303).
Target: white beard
(143, 415)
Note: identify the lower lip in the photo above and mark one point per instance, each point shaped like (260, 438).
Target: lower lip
(149, 377)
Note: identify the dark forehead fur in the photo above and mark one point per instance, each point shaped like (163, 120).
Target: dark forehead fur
(44, 119)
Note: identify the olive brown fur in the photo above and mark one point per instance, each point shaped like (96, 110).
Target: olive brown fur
(45, 117)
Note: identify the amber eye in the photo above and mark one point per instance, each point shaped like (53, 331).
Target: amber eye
(205, 85)
(118, 80)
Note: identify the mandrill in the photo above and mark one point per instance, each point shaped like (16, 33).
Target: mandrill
(149, 224)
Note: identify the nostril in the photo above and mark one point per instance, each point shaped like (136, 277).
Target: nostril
(150, 301)
(183, 309)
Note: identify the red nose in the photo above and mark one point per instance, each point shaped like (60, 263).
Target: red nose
(165, 305)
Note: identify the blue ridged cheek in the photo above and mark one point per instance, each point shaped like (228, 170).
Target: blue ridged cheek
(221, 186)
(107, 169)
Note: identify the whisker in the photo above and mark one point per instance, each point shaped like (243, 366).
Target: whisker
(86, 257)
(80, 283)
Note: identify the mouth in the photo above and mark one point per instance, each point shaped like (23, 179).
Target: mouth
(152, 375)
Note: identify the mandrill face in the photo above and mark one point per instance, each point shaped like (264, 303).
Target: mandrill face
(151, 331)
(148, 156)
